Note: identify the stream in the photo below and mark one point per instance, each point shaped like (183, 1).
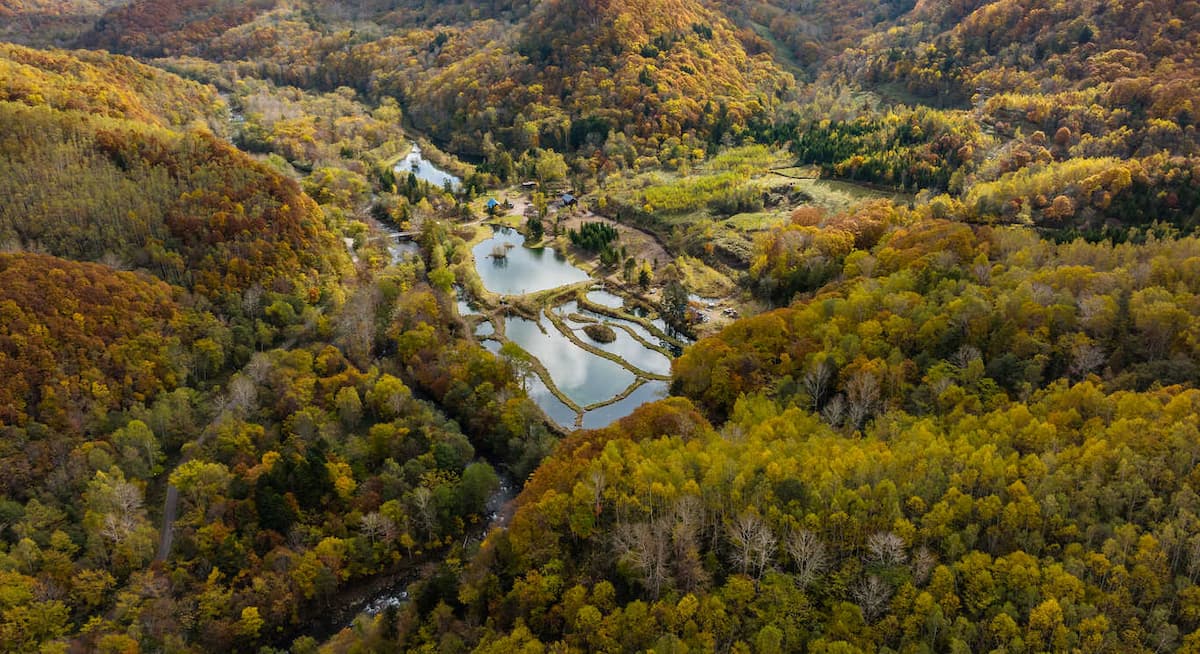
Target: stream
(377, 595)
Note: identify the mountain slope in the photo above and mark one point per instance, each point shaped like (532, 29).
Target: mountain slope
(184, 205)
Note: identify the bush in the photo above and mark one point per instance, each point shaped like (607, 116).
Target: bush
(600, 333)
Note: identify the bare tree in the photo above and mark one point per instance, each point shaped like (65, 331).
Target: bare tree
(872, 595)
(809, 554)
(816, 381)
(260, 367)
(982, 272)
(598, 483)
(123, 504)
(1194, 558)
(242, 396)
(753, 544)
(886, 548)
(689, 518)
(1085, 358)
(423, 503)
(922, 564)
(965, 355)
(356, 325)
(378, 527)
(646, 547)
(862, 394)
(252, 299)
(834, 411)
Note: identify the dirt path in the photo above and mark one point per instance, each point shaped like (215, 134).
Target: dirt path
(170, 508)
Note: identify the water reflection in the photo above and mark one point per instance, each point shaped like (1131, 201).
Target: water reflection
(606, 415)
(604, 298)
(631, 350)
(521, 270)
(549, 403)
(579, 374)
(485, 329)
(424, 170)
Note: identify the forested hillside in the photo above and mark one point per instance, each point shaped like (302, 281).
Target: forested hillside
(975, 440)
(247, 377)
(898, 302)
(561, 75)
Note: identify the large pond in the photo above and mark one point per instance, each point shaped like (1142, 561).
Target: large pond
(521, 270)
(579, 374)
(585, 378)
(424, 170)
(625, 346)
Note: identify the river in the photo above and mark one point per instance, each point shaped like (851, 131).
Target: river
(375, 596)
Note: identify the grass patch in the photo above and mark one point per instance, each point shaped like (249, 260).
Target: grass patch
(703, 279)
(757, 221)
(747, 158)
(690, 193)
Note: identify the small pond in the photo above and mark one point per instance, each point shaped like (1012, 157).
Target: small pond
(402, 248)
(463, 304)
(491, 345)
(604, 298)
(424, 170)
(606, 415)
(522, 270)
(553, 407)
(485, 329)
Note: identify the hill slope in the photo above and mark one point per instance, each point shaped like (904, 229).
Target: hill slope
(184, 205)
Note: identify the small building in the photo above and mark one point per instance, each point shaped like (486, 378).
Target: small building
(529, 186)
(569, 200)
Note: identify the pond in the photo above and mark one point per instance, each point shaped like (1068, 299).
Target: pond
(401, 248)
(491, 345)
(625, 346)
(521, 270)
(485, 329)
(579, 374)
(553, 407)
(604, 298)
(424, 170)
(463, 303)
(606, 415)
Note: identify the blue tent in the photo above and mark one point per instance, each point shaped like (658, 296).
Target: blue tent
(492, 204)
(568, 199)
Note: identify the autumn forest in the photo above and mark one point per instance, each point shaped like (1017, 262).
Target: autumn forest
(746, 326)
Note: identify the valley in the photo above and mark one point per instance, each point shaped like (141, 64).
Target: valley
(745, 326)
